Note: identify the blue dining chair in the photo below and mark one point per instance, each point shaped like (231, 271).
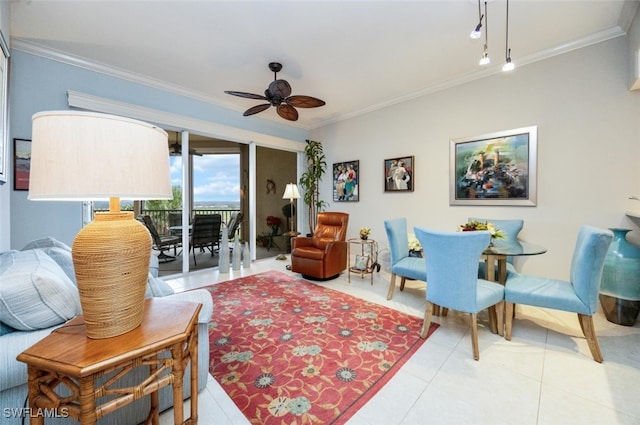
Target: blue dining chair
(511, 229)
(578, 295)
(452, 266)
(401, 263)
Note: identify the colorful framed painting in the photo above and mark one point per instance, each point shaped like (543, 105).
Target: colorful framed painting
(399, 174)
(21, 163)
(346, 181)
(494, 169)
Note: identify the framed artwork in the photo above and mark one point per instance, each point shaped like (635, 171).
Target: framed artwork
(4, 138)
(398, 174)
(346, 181)
(494, 169)
(21, 163)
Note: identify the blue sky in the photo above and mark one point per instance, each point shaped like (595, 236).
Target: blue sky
(215, 177)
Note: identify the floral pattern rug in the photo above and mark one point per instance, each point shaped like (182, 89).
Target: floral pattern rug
(288, 351)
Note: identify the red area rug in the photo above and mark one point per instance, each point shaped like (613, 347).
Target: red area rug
(288, 351)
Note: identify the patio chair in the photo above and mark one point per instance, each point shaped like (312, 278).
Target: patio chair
(162, 242)
(234, 224)
(205, 233)
(175, 221)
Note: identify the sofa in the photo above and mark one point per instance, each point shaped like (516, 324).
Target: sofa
(37, 295)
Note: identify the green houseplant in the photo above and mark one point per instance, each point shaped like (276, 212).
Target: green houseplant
(310, 180)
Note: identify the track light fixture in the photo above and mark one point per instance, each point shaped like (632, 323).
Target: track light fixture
(508, 66)
(485, 52)
(476, 33)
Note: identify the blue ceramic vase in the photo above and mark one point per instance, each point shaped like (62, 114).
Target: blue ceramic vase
(620, 285)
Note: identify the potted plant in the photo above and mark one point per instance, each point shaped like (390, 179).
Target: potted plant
(310, 180)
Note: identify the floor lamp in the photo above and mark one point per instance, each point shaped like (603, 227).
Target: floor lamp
(291, 193)
(85, 156)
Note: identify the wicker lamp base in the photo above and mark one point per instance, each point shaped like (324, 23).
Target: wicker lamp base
(111, 261)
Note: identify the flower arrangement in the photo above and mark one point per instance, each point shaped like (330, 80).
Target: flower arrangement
(274, 223)
(414, 243)
(364, 233)
(477, 225)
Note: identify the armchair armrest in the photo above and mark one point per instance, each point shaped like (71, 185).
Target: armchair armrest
(201, 296)
(301, 241)
(336, 251)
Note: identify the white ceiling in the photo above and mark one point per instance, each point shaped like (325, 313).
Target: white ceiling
(357, 56)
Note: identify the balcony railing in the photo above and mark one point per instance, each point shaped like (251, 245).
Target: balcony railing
(161, 217)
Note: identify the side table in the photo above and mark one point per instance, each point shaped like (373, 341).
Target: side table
(69, 358)
(271, 240)
(366, 246)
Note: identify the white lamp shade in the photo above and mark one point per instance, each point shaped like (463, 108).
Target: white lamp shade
(291, 192)
(79, 155)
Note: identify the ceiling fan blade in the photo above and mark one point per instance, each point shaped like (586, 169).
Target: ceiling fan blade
(247, 95)
(256, 109)
(175, 149)
(287, 112)
(279, 88)
(304, 101)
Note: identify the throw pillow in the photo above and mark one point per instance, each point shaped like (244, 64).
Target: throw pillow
(63, 258)
(47, 242)
(35, 293)
(59, 251)
(361, 262)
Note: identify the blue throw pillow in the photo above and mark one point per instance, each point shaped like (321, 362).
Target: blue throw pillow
(48, 242)
(35, 293)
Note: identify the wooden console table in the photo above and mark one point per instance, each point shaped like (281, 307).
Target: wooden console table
(69, 358)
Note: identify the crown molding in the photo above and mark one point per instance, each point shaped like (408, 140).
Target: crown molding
(178, 122)
(630, 9)
(37, 49)
(589, 40)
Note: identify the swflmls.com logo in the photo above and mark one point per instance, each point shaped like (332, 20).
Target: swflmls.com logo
(37, 413)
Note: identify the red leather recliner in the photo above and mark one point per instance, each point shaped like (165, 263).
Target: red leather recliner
(324, 255)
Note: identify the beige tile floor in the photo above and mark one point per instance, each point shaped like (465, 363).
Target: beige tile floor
(544, 375)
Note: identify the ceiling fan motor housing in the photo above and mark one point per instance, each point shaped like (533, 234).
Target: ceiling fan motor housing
(278, 94)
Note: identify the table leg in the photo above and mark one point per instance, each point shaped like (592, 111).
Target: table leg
(154, 411)
(87, 401)
(502, 271)
(178, 375)
(349, 262)
(33, 374)
(490, 266)
(193, 352)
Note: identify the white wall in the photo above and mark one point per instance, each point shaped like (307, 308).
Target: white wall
(588, 150)
(5, 189)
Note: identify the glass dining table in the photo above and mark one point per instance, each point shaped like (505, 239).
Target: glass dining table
(495, 256)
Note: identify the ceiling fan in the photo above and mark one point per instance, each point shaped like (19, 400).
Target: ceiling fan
(175, 148)
(278, 95)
